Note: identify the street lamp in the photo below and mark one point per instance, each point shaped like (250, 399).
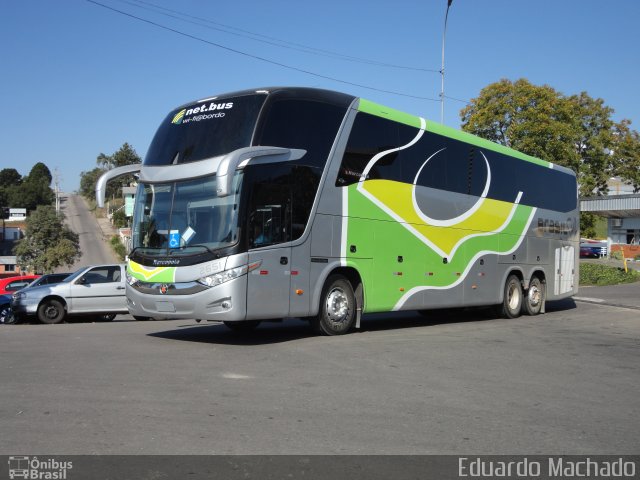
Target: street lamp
(444, 33)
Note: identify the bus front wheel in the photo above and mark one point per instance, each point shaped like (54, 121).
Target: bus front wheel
(337, 312)
(512, 299)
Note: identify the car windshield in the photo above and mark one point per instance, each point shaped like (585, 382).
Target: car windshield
(185, 217)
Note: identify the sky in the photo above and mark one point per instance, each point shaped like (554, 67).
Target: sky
(79, 78)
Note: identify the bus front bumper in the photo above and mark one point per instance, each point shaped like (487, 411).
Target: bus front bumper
(225, 302)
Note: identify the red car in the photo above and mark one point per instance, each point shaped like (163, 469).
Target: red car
(13, 284)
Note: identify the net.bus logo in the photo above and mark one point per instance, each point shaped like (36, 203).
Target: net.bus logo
(186, 115)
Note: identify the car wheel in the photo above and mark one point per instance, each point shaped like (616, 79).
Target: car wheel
(51, 311)
(6, 315)
(107, 317)
(512, 299)
(534, 298)
(243, 326)
(337, 312)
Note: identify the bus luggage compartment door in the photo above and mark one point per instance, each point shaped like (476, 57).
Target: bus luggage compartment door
(268, 286)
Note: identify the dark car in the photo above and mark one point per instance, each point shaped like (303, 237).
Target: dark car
(49, 279)
(6, 314)
(591, 251)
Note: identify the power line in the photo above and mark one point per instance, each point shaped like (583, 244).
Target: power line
(221, 27)
(457, 99)
(256, 57)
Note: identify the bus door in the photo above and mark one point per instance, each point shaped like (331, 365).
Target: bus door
(269, 235)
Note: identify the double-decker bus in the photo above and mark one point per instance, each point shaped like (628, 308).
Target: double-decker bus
(298, 202)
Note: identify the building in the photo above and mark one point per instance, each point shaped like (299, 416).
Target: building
(10, 232)
(623, 217)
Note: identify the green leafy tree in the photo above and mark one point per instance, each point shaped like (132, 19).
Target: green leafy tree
(574, 131)
(626, 147)
(125, 155)
(88, 182)
(29, 195)
(40, 173)
(9, 177)
(26, 192)
(48, 242)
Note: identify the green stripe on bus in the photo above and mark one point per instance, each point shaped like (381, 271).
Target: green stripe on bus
(378, 110)
(481, 142)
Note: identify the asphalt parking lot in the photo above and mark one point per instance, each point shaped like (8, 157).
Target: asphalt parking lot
(457, 382)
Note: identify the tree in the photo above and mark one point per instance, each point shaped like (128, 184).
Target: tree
(88, 182)
(626, 146)
(48, 243)
(28, 195)
(574, 131)
(40, 173)
(9, 177)
(126, 155)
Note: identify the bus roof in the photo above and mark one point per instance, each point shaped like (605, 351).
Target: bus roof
(367, 106)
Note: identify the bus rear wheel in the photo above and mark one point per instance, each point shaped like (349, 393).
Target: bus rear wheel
(534, 298)
(337, 312)
(512, 299)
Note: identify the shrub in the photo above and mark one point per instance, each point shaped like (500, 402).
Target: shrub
(617, 255)
(596, 274)
(118, 247)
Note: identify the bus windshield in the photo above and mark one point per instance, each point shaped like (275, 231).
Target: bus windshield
(185, 217)
(206, 129)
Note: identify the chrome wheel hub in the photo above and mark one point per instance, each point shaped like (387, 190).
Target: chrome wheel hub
(513, 298)
(534, 296)
(337, 306)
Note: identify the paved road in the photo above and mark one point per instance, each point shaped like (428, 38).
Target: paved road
(93, 245)
(564, 382)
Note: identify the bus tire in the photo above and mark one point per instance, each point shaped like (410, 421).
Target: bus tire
(242, 326)
(534, 298)
(512, 299)
(51, 311)
(337, 313)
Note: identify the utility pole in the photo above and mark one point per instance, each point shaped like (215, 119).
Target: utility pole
(56, 178)
(444, 33)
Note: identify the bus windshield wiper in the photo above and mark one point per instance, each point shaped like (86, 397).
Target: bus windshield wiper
(181, 249)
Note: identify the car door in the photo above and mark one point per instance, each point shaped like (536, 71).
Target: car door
(99, 289)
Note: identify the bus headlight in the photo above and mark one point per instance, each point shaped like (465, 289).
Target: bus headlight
(227, 275)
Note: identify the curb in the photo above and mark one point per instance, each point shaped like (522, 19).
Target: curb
(599, 301)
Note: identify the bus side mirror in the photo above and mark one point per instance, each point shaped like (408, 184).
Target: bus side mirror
(101, 184)
(254, 155)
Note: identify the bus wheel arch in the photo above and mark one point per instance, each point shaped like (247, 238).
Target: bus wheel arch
(535, 295)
